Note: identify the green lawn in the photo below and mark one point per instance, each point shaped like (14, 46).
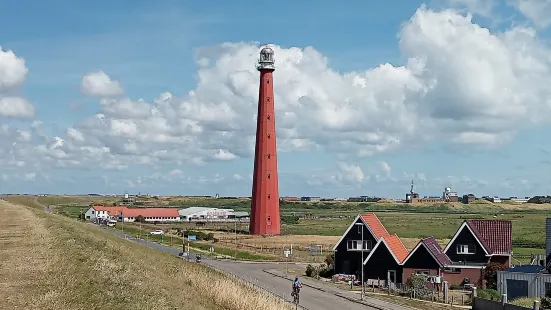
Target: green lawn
(134, 230)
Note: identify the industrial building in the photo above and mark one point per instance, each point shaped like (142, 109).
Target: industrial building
(309, 198)
(210, 214)
(449, 196)
(470, 198)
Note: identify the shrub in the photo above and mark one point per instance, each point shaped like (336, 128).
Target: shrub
(289, 219)
(545, 303)
(523, 302)
(418, 283)
(490, 274)
(311, 271)
(488, 294)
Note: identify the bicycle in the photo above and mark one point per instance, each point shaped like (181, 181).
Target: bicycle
(295, 294)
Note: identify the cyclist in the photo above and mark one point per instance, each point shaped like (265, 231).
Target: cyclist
(296, 286)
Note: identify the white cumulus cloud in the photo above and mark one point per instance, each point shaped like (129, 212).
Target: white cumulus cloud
(99, 84)
(16, 107)
(12, 70)
(460, 83)
(539, 11)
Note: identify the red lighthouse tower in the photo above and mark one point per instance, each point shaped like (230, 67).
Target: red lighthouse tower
(265, 198)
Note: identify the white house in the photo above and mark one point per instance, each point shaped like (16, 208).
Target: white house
(96, 213)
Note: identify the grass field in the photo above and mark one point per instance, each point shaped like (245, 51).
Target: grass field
(53, 262)
(410, 222)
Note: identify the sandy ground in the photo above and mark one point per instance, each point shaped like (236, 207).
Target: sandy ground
(303, 240)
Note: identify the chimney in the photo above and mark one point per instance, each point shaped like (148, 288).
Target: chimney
(547, 240)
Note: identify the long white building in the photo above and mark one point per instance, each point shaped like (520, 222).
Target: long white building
(203, 213)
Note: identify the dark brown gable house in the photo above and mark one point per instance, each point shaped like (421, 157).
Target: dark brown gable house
(475, 244)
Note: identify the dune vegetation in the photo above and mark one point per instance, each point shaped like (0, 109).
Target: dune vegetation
(54, 262)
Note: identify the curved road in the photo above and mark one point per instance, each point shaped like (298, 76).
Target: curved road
(310, 298)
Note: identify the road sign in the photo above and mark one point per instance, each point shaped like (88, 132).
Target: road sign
(191, 238)
(287, 252)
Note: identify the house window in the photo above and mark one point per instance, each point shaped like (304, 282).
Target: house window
(423, 272)
(356, 245)
(452, 270)
(92, 211)
(466, 249)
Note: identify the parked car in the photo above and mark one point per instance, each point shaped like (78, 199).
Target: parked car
(157, 232)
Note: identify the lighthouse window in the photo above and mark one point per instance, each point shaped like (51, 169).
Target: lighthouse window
(268, 157)
(268, 136)
(267, 98)
(268, 175)
(268, 117)
(268, 196)
(267, 81)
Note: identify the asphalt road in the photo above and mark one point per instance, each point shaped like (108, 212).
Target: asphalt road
(310, 298)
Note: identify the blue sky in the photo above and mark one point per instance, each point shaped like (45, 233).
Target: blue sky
(404, 125)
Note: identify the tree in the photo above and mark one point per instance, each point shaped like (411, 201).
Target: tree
(490, 274)
(140, 219)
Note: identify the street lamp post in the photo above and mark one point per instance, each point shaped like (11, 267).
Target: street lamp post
(362, 277)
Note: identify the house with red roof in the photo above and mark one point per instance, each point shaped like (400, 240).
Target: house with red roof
(427, 258)
(384, 261)
(349, 255)
(476, 243)
(162, 215)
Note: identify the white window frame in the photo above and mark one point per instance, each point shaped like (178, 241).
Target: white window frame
(424, 272)
(354, 245)
(463, 249)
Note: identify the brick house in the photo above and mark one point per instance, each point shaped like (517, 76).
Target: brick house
(427, 258)
(475, 244)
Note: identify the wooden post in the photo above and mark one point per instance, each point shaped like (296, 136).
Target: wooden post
(373, 286)
(445, 293)
(432, 296)
(536, 305)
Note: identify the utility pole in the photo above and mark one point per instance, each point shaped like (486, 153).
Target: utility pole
(235, 233)
(362, 294)
(361, 226)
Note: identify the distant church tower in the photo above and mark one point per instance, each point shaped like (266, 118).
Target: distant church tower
(265, 218)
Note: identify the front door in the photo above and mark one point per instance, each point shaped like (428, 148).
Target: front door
(392, 276)
(346, 266)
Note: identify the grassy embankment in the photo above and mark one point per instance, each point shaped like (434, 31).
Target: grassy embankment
(52, 262)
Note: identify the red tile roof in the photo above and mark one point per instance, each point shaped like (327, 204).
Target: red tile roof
(495, 235)
(436, 250)
(397, 247)
(151, 212)
(375, 225)
(133, 212)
